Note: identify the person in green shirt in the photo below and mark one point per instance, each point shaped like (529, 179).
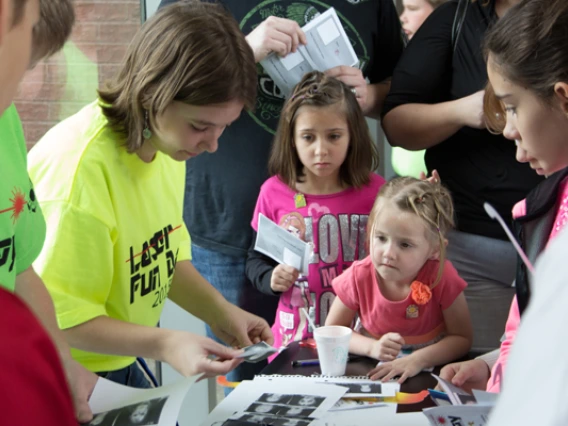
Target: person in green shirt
(110, 181)
(29, 31)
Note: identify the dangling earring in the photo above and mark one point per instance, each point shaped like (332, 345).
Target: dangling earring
(146, 133)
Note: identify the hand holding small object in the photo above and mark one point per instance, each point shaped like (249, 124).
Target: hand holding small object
(352, 77)
(283, 277)
(274, 34)
(387, 347)
(468, 375)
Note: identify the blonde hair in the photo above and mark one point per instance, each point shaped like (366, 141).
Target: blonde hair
(317, 89)
(430, 201)
(188, 52)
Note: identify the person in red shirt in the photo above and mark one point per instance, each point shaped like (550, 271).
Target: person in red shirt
(35, 388)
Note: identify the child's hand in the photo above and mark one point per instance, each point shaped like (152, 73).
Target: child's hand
(406, 367)
(387, 347)
(283, 277)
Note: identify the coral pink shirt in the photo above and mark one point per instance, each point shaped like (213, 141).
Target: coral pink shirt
(514, 319)
(359, 290)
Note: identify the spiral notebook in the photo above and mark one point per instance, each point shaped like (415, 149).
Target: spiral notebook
(358, 386)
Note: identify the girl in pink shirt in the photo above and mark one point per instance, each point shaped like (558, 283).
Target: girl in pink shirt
(407, 296)
(322, 190)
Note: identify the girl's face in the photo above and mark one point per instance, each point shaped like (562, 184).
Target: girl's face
(414, 14)
(307, 401)
(184, 131)
(294, 411)
(321, 138)
(263, 408)
(399, 245)
(539, 130)
(139, 413)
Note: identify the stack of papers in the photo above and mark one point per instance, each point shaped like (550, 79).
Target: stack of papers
(327, 47)
(115, 405)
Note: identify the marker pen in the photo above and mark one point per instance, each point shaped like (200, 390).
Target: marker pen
(305, 362)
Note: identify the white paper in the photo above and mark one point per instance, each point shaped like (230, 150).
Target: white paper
(356, 387)
(328, 46)
(328, 31)
(115, 404)
(280, 245)
(243, 401)
(477, 415)
(485, 398)
(457, 395)
(377, 416)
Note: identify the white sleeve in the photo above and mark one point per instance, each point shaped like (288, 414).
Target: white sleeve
(538, 365)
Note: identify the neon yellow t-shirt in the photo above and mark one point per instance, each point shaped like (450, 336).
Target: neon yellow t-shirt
(22, 228)
(114, 227)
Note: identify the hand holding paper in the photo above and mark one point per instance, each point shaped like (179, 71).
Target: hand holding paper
(278, 244)
(191, 354)
(283, 277)
(277, 35)
(472, 374)
(326, 46)
(239, 328)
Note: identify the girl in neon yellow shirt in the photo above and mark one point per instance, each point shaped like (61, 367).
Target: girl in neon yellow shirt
(110, 181)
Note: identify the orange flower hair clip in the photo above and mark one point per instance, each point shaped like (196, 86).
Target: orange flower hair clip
(421, 293)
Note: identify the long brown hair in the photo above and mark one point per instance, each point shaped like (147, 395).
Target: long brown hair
(190, 52)
(528, 46)
(317, 89)
(430, 201)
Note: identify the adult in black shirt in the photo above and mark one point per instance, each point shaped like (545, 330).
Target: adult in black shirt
(222, 189)
(436, 102)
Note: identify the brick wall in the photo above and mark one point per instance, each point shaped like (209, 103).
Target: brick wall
(60, 86)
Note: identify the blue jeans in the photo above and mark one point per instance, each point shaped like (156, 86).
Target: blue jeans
(130, 376)
(227, 274)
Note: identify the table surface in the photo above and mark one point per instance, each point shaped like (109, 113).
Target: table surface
(359, 366)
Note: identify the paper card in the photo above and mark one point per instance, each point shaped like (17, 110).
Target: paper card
(328, 31)
(328, 46)
(485, 398)
(114, 404)
(280, 245)
(292, 60)
(457, 395)
(458, 415)
(292, 259)
(355, 404)
(258, 352)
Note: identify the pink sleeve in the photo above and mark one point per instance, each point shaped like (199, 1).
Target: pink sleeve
(511, 328)
(450, 287)
(345, 287)
(520, 209)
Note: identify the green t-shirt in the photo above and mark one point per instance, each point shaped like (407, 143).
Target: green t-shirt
(22, 227)
(114, 227)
